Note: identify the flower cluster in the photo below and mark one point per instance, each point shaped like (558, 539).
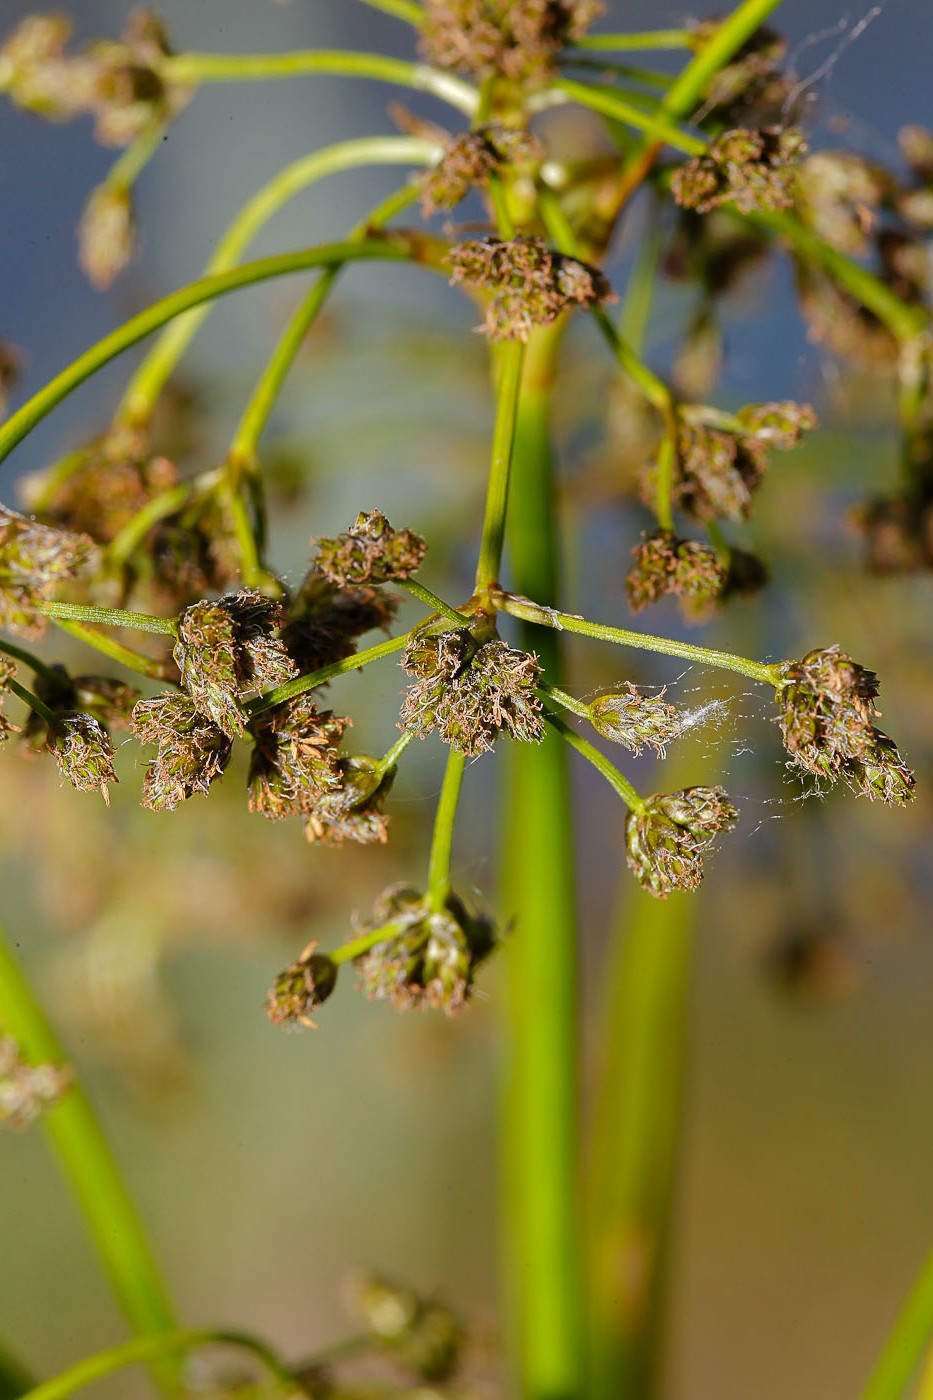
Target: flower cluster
(719, 470)
(34, 560)
(669, 835)
(120, 82)
(470, 158)
(325, 620)
(303, 985)
(27, 1090)
(626, 716)
(370, 552)
(106, 234)
(83, 750)
(470, 691)
(191, 752)
(530, 284)
(665, 564)
(228, 649)
(518, 39)
(827, 718)
(428, 956)
(750, 169)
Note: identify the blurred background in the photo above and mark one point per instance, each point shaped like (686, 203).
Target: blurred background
(269, 1165)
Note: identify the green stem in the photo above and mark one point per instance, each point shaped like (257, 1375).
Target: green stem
(616, 780)
(400, 9)
(442, 840)
(15, 1381)
(38, 667)
(724, 660)
(608, 103)
(639, 293)
(649, 39)
(392, 756)
(651, 385)
(432, 601)
(907, 1342)
(108, 646)
(511, 360)
(390, 248)
(110, 617)
(126, 541)
(194, 68)
(356, 947)
(664, 489)
(90, 1168)
(149, 379)
(540, 1209)
(127, 167)
(163, 1346)
(313, 679)
(33, 701)
(568, 702)
(635, 1141)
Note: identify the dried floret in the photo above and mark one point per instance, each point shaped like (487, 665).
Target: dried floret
(83, 750)
(668, 837)
(191, 750)
(751, 169)
(228, 649)
(519, 39)
(34, 560)
(530, 283)
(665, 564)
(839, 193)
(325, 620)
(106, 234)
(422, 1336)
(352, 809)
(296, 758)
(471, 691)
(304, 985)
(370, 552)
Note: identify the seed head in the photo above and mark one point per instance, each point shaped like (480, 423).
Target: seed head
(27, 1090)
(83, 751)
(429, 956)
(530, 284)
(191, 750)
(625, 716)
(106, 234)
(669, 836)
(370, 552)
(303, 986)
(665, 564)
(470, 158)
(751, 169)
(34, 560)
(351, 810)
(227, 649)
(471, 691)
(518, 39)
(324, 620)
(296, 758)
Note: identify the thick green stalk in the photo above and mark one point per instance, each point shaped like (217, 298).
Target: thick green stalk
(198, 68)
(909, 1339)
(165, 1346)
(635, 1140)
(540, 1220)
(509, 367)
(89, 1166)
(149, 379)
(390, 249)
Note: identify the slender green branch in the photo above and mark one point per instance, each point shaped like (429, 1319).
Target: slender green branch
(664, 488)
(391, 248)
(651, 385)
(37, 666)
(195, 68)
(432, 601)
(567, 702)
(110, 617)
(147, 382)
(128, 165)
(616, 780)
(442, 840)
(89, 1167)
(639, 293)
(165, 1345)
(392, 755)
(905, 1347)
(608, 103)
(400, 9)
(313, 679)
(512, 357)
(109, 646)
(356, 947)
(650, 39)
(33, 701)
(643, 641)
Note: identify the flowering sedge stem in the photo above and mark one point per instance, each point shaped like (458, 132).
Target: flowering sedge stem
(93, 1174)
(197, 68)
(608, 103)
(643, 641)
(664, 490)
(147, 382)
(164, 1345)
(567, 702)
(39, 668)
(511, 360)
(649, 39)
(110, 617)
(358, 946)
(125, 170)
(300, 684)
(651, 385)
(33, 701)
(390, 249)
(905, 1347)
(616, 780)
(108, 646)
(401, 9)
(431, 600)
(442, 840)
